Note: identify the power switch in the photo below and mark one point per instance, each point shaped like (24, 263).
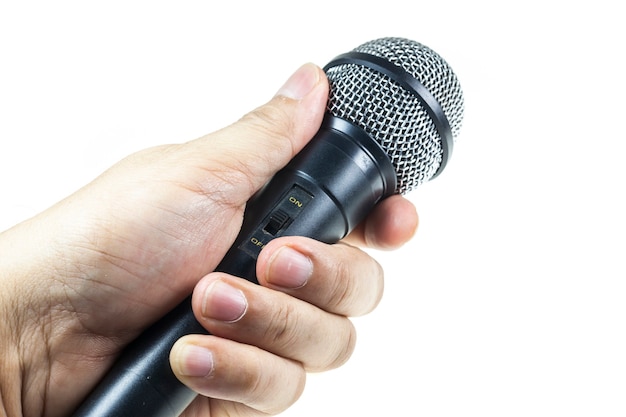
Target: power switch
(279, 220)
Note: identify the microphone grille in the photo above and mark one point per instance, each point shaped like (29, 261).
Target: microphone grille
(392, 114)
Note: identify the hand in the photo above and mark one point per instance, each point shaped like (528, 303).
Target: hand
(87, 276)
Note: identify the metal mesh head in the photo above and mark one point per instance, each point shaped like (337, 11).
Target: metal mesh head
(392, 115)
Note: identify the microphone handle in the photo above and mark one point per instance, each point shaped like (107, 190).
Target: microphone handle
(323, 193)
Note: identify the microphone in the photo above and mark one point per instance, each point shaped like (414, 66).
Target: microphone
(394, 111)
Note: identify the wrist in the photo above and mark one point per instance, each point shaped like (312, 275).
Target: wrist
(38, 319)
(9, 362)
(25, 362)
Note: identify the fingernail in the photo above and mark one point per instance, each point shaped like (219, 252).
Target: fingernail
(196, 361)
(289, 268)
(301, 82)
(223, 302)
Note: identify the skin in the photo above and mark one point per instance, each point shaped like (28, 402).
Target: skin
(85, 277)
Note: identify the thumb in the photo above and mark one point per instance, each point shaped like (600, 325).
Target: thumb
(246, 154)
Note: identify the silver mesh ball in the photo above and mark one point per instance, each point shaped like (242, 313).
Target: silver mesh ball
(392, 115)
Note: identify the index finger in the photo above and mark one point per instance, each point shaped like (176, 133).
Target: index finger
(391, 224)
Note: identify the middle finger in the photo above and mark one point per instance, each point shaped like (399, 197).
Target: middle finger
(236, 309)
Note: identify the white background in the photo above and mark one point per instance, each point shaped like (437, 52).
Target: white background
(510, 301)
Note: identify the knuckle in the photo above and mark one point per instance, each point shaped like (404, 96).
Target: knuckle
(263, 385)
(340, 351)
(344, 351)
(356, 290)
(341, 291)
(284, 326)
(379, 275)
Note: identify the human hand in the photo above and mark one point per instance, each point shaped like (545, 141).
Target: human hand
(87, 276)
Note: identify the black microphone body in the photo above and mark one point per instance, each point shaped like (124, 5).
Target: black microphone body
(323, 193)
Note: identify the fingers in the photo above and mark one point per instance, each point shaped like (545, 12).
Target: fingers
(236, 309)
(392, 223)
(262, 343)
(262, 340)
(247, 153)
(305, 320)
